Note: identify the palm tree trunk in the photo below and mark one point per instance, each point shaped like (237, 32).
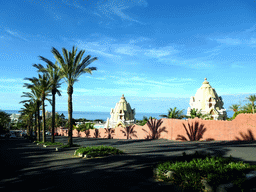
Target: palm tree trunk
(28, 127)
(38, 122)
(70, 92)
(36, 127)
(31, 128)
(43, 122)
(53, 114)
(35, 123)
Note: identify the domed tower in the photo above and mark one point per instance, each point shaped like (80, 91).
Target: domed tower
(122, 115)
(208, 101)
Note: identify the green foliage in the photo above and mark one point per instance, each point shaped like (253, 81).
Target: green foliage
(195, 113)
(238, 112)
(173, 114)
(86, 126)
(73, 123)
(100, 120)
(98, 151)
(144, 121)
(190, 169)
(4, 121)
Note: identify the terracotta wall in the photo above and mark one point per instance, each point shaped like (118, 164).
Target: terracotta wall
(218, 130)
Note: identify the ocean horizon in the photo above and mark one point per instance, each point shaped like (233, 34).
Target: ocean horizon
(105, 115)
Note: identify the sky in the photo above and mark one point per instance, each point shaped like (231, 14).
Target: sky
(156, 53)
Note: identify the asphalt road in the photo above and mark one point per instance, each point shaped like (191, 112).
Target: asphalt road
(26, 166)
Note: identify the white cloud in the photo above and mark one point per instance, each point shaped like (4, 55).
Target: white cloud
(161, 52)
(251, 29)
(10, 80)
(15, 34)
(116, 7)
(127, 50)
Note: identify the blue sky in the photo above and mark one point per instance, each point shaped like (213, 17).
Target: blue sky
(156, 53)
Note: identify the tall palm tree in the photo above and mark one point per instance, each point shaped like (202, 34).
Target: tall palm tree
(5, 119)
(173, 114)
(71, 69)
(35, 96)
(34, 110)
(27, 114)
(252, 99)
(54, 75)
(42, 85)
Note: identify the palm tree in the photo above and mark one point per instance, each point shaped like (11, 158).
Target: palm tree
(34, 97)
(34, 110)
(234, 107)
(144, 120)
(4, 121)
(71, 70)
(247, 108)
(42, 85)
(195, 113)
(27, 114)
(54, 75)
(252, 99)
(173, 114)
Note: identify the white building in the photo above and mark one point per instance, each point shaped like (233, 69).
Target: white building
(207, 100)
(14, 117)
(48, 114)
(122, 115)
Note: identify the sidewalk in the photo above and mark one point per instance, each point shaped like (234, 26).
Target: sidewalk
(38, 168)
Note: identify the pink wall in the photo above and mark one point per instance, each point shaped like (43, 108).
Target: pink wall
(171, 128)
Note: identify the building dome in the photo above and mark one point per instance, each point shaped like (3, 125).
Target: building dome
(207, 100)
(122, 114)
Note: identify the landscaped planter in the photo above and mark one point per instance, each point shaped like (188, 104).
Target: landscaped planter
(251, 177)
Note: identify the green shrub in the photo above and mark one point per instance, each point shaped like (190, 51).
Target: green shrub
(190, 169)
(100, 150)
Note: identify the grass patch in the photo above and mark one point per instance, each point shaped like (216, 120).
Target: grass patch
(98, 151)
(190, 169)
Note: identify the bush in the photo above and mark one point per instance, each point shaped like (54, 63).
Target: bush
(194, 167)
(100, 150)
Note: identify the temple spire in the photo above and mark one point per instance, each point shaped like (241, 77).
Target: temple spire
(207, 100)
(122, 114)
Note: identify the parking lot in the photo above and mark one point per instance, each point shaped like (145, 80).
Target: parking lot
(48, 169)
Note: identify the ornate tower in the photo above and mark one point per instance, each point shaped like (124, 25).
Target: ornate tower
(208, 101)
(122, 115)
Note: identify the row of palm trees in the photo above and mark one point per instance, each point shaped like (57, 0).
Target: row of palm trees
(48, 84)
(70, 69)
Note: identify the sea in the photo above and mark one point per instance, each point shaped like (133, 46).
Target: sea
(104, 115)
